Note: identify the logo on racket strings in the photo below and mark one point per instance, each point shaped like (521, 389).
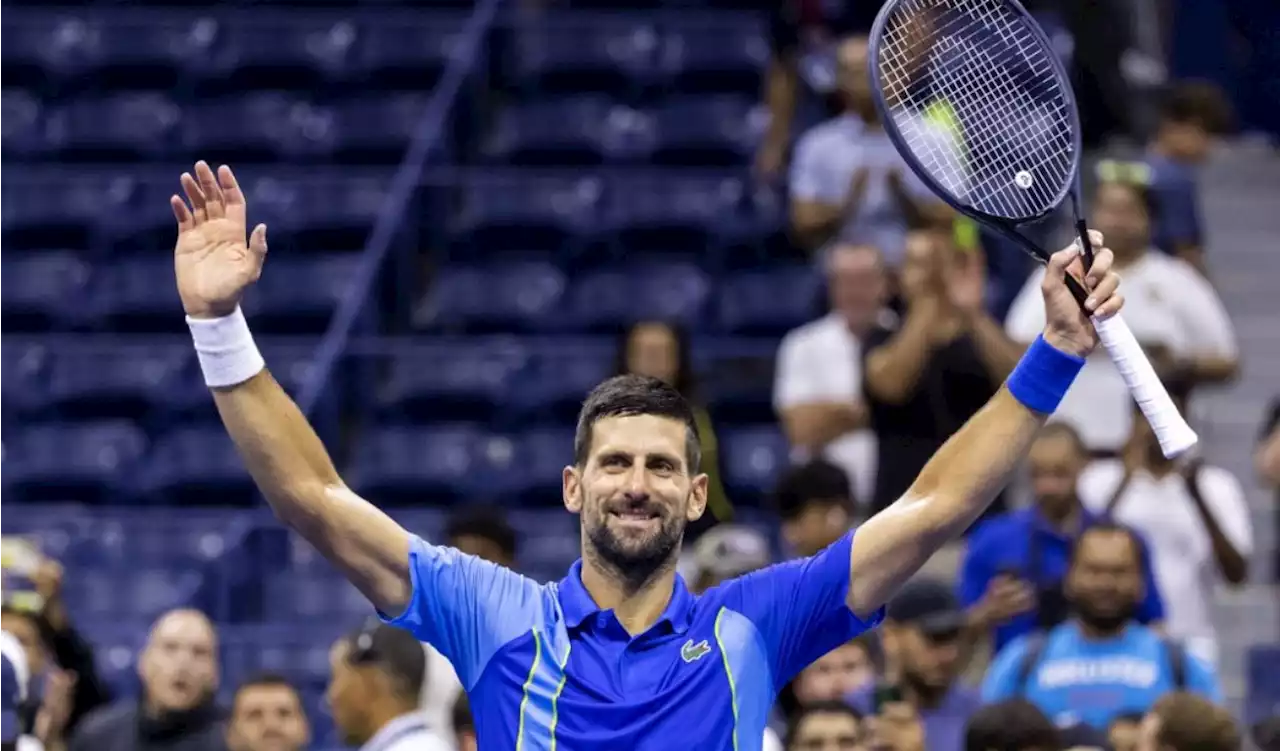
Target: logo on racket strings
(1023, 179)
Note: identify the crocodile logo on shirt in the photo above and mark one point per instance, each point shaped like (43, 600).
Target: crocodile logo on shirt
(691, 652)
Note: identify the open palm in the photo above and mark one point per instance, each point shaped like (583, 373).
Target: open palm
(212, 261)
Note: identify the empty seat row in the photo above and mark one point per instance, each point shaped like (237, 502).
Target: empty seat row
(261, 127)
(396, 464)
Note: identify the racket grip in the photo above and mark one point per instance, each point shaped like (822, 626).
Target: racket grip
(1174, 434)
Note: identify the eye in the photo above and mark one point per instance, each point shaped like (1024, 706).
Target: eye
(662, 466)
(614, 461)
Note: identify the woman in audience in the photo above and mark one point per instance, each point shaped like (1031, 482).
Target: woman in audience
(661, 350)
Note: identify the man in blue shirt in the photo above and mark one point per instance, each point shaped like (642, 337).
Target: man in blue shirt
(1011, 578)
(619, 653)
(1101, 664)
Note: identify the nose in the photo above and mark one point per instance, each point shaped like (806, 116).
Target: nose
(637, 484)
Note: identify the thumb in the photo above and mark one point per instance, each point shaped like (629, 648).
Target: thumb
(258, 240)
(1056, 269)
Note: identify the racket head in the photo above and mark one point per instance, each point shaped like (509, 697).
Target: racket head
(892, 60)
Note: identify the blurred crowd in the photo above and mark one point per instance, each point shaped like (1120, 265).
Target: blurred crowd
(1077, 613)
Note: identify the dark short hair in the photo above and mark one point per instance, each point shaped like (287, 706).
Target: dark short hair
(1014, 725)
(393, 651)
(1063, 430)
(816, 480)
(819, 707)
(461, 714)
(628, 395)
(485, 523)
(1198, 103)
(1110, 527)
(265, 680)
(1189, 722)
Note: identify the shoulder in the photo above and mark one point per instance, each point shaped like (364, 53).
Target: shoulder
(819, 137)
(107, 720)
(814, 334)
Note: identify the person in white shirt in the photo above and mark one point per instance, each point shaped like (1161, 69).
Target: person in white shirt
(817, 390)
(377, 675)
(1193, 516)
(1173, 311)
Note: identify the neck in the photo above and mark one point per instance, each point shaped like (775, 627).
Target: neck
(637, 600)
(1065, 520)
(1094, 632)
(1160, 147)
(923, 697)
(1125, 259)
(384, 712)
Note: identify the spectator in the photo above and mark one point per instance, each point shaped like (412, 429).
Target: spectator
(826, 726)
(1014, 564)
(484, 533)
(1267, 461)
(817, 391)
(464, 726)
(1195, 519)
(267, 715)
(725, 552)
(1183, 721)
(848, 182)
(1124, 730)
(13, 689)
(1013, 725)
(1266, 733)
(661, 350)
(850, 668)
(1101, 664)
(373, 691)
(921, 637)
(1191, 115)
(813, 501)
(176, 712)
(802, 67)
(1173, 311)
(925, 378)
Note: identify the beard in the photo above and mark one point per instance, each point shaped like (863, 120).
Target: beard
(1104, 620)
(632, 556)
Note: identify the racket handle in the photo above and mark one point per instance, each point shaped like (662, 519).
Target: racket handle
(1174, 434)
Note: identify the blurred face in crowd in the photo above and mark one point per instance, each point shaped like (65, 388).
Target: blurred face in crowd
(1188, 141)
(922, 264)
(353, 691)
(179, 665)
(24, 628)
(856, 284)
(1120, 214)
(635, 493)
(654, 351)
(854, 76)
(1056, 460)
(268, 717)
(1104, 583)
(929, 661)
(820, 522)
(826, 731)
(1123, 734)
(484, 548)
(835, 675)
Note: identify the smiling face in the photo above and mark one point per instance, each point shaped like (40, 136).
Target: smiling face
(635, 492)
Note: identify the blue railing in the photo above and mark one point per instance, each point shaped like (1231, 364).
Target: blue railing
(403, 185)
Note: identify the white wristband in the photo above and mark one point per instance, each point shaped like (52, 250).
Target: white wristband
(226, 350)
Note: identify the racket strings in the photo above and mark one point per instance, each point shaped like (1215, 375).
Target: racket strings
(1004, 143)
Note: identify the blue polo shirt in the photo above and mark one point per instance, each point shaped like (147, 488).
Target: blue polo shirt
(1005, 544)
(545, 667)
(1178, 220)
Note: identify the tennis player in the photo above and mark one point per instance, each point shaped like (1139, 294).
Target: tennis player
(618, 654)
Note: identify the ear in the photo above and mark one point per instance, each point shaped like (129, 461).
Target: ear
(791, 532)
(697, 498)
(571, 489)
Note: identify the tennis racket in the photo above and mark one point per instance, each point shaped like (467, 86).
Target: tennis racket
(977, 103)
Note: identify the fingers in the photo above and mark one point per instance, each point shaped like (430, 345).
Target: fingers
(258, 240)
(231, 193)
(194, 196)
(1056, 268)
(181, 213)
(214, 205)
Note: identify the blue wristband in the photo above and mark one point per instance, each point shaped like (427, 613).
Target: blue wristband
(1043, 376)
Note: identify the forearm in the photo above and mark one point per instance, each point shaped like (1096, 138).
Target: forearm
(813, 426)
(999, 353)
(894, 369)
(780, 98)
(1234, 567)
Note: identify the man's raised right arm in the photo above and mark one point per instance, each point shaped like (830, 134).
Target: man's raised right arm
(214, 265)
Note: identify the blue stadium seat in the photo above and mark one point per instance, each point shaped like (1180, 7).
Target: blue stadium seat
(42, 291)
(411, 466)
(178, 537)
(121, 127)
(1262, 671)
(51, 208)
(650, 215)
(410, 51)
(131, 592)
(25, 365)
(735, 379)
(722, 53)
(137, 295)
(555, 133)
(540, 458)
(559, 54)
(377, 130)
(611, 299)
(752, 459)
(549, 540)
(458, 381)
(195, 465)
(560, 375)
(712, 131)
(770, 301)
(92, 50)
(317, 210)
(260, 127)
(297, 651)
(291, 596)
(299, 295)
(86, 462)
(506, 297)
(124, 380)
(296, 51)
(289, 361)
(509, 211)
(25, 131)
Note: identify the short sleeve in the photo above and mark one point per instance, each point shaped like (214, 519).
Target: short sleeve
(1025, 320)
(800, 608)
(1001, 680)
(466, 607)
(793, 382)
(1202, 679)
(1202, 315)
(812, 176)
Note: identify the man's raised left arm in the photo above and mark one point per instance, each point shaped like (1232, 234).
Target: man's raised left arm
(963, 477)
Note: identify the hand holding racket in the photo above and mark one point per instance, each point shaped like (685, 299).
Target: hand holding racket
(978, 105)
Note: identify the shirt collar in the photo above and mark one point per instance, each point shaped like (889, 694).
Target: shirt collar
(406, 724)
(577, 605)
